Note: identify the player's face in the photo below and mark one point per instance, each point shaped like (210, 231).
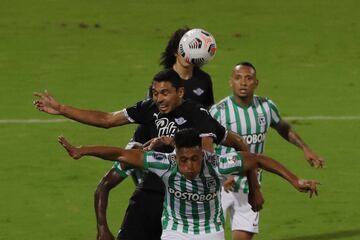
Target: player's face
(243, 81)
(181, 61)
(189, 161)
(166, 96)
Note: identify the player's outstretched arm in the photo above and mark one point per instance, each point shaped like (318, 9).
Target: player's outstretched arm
(261, 161)
(47, 103)
(107, 183)
(133, 157)
(287, 132)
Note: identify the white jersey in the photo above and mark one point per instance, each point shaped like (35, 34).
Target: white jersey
(252, 123)
(193, 206)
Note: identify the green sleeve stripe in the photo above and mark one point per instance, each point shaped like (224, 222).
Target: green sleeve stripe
(121, 172)
(146, 156)
(157, 165)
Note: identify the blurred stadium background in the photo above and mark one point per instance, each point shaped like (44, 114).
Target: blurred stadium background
(102, 55)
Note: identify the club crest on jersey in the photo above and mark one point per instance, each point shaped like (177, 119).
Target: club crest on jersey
(198, 91)
(211, 184)
(261, 119)
(165, 127)
(180, 121)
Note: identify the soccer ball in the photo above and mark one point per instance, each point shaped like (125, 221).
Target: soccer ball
(197, 46)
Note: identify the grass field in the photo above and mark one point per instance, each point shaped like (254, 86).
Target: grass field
(103, 54)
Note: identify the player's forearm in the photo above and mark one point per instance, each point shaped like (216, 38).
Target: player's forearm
(133, 157)
(101, 201)
(103, 152)
(235, 141)
(295, 139)
(89, 117)
(273, 166)
(252, 180)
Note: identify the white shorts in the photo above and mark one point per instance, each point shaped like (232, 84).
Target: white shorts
(171, 235)
(241, 216)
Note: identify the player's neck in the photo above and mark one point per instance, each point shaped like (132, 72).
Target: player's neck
(244, 101)
(184, 72)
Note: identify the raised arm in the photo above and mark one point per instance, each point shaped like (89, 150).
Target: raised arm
(133, 157)
(47, 103)
(252, 161)
(287, 132)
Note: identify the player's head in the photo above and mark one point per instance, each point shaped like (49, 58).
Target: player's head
(189, 155)
(167, 90)
(171, 55)
(243, 80)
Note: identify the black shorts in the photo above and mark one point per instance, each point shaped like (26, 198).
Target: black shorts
(142, 219)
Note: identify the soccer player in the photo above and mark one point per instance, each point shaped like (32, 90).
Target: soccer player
(192, 178)
(148, 196)
(164, 115)
(250, 116)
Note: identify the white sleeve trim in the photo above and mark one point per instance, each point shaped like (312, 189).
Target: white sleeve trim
(127, 115)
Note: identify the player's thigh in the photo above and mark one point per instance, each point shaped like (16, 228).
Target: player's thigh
(242, 235)
(244, 218)
(144, 211)
(227, 202)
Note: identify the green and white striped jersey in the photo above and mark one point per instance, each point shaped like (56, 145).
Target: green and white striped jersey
(193, 206)
(252, 123)
(136, 174)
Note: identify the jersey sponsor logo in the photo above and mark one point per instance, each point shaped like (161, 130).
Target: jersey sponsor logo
(261, 119)
(180, 120)
(165, 127)
(190, 196)
(254, 138)
(198, 91)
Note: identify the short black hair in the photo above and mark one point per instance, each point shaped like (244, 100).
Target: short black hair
(169, 75)
(168, 58)
(187, 138)
(248, 64)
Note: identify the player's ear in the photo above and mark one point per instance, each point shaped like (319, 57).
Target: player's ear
(181, 92)
(256, 82)
(230, 83)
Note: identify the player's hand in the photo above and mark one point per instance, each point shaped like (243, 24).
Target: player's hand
(256, 200)
(74, 152)
(313, 159)
(156, 142)
(104, 234)
(229, 184)
(46, 103)
(306, 186)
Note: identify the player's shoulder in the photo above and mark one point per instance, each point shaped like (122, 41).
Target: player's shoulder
(221, 105)
(200, 74)
(262, 99)
(192, 106)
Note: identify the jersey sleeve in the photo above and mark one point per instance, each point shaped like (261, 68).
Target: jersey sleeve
(123, 173)
(231, 163)
(157, 162)
(208, 126)
(139, 113)
(274, 113)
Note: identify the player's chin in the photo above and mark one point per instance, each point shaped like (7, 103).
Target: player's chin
(190, 176)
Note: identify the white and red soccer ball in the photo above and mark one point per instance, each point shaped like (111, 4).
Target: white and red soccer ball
(197, 46)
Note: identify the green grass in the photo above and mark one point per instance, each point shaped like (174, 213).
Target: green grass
(307, 57)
